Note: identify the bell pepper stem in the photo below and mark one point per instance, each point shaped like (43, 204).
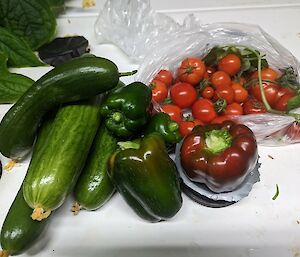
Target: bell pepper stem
(128, 73)
(117, 116)
(218, 140)
(173, 126)
(129, 145)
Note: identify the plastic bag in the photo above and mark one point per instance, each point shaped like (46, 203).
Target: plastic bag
(156, 42)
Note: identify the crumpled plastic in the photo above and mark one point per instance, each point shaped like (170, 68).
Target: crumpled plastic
(155, 41)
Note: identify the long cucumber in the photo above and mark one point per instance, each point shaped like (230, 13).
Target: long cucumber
(94, 188)
(19, 232)
(77, 79)
(54, 170)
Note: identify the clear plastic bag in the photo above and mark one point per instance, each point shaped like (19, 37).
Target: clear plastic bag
(156, 41)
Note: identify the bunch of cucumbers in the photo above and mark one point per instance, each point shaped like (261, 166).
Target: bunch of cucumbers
(92, 135)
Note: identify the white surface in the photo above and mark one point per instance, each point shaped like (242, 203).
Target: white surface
(256, 226)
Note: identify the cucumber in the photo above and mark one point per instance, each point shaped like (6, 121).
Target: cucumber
(79, 78)
(19, 232)
(54, 170)
(94, 188)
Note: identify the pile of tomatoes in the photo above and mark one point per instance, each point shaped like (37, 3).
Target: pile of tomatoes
(199, 94)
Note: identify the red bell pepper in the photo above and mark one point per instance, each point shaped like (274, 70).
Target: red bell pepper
(219, 155)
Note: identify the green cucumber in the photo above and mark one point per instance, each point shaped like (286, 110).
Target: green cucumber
(53, 172)
(19, 232)
(79, 78)
(94, 188)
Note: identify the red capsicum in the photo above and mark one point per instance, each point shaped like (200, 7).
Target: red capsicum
(219, 155)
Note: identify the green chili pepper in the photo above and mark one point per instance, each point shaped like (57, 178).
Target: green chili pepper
(127, 109)
(147, 178)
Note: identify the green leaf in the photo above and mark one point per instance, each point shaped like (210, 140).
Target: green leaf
(214, 55)
(31, 20)
(12, 86)
(18, 52)
(293, 102)
(289, 79)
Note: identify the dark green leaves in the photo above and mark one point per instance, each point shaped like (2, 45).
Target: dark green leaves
(12, 85)
(18, 52)
(31, 20)
(248, 56)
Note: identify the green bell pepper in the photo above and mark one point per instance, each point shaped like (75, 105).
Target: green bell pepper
(147, 178)
(127, 109)
(161, 123)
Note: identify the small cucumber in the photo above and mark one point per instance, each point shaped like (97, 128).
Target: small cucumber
(94, 188)
(79, 78)
(54, 170)
(19, 231)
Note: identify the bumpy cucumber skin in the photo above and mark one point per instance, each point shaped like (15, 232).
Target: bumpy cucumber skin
(19, 232)
(54, 170)
(94, 188)
(80, 78)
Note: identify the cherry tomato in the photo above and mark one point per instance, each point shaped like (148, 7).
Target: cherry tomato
(220, 119)
(159, 91)
(191, 70)
(208, 92)
(281, 104)
(233, 109)
(224, 92)
(165, 76)
(266, 74)
(284, 91)
(183, 94)
(220, 78)
(174, 112)
(203, 110)
(270, 90)
(240, 93)
(186, 126)
(253, 106)
(231, 64)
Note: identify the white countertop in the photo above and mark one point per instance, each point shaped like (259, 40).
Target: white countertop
(257, 226)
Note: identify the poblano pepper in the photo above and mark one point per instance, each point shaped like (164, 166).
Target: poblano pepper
(127, 109)
(147, 178)
(161, 123)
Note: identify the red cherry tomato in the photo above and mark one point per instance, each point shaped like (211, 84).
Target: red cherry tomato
(159, 91)
(270, 90)
(203, 110)
(165, 76)
(282, 102)
(233, 109)
(224, 92)
(220, 119)
(183, 94)
(253, 106)
(191, 70)
(220, 78)
(240, 93)
(231, 64)
(186, 126)
(174, 112)
(284, 91)
(266, 74)
(208, 92)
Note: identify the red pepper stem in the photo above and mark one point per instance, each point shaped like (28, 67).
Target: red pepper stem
(129, 73)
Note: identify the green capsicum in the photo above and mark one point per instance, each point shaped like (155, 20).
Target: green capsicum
(147, 178)
(161, 123)
(127, 109)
